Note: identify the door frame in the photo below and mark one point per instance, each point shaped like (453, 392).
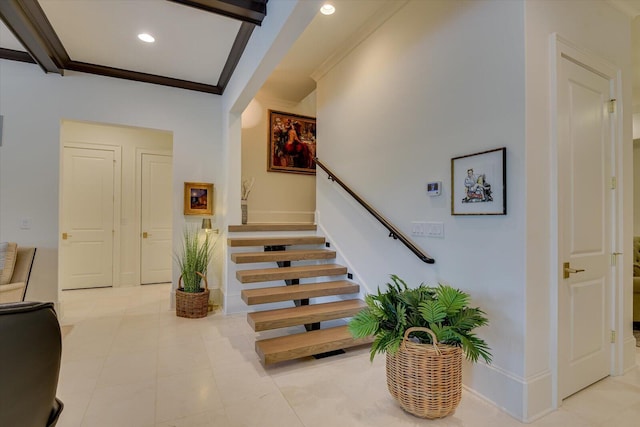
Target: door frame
(138, 196)
(117, 202)
(562, 48)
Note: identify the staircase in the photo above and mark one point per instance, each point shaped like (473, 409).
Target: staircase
(316, 263)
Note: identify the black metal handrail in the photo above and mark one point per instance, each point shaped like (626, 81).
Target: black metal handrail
(393, 231)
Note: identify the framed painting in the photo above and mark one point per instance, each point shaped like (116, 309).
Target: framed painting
(292, 143)
(198, 198)
(478, 183)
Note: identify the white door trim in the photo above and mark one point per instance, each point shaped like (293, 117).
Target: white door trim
(117, 202)
(138, 197)
(562, 48)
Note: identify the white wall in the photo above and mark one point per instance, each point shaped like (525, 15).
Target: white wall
(276, 196)
(439, 79)
(33, 105)
(598, 28)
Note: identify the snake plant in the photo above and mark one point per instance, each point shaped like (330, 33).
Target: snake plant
(194, 258)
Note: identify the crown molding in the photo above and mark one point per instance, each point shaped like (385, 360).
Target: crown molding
(380, 17)
(629, 8)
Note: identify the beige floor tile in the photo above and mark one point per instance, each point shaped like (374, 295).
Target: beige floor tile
(75, 406)
(603, 401)
(129, 405)
(129, 368)
(182, 358)
(205, 419)
(268, 410)
(186, 394)
(79, 376)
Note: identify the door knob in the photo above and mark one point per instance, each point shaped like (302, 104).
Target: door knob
(65, 236)
(145, 234)
(568, 270)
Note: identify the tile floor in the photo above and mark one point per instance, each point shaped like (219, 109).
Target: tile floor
(129, 361)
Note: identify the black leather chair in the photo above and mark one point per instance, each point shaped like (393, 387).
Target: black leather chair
(30, 352)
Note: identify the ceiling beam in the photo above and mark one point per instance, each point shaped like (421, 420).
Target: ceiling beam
(141, 77)
(250, 11)
(236, 53)
(27, 21)
(16, 55)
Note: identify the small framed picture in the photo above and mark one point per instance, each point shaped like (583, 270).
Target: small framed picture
(479, 183)
(198, 198)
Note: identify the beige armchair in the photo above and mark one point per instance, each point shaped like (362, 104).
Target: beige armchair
(636, 279)
(16, 289)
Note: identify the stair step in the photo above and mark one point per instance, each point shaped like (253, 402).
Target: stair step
(275, 241)
(272, 227)
(304, 314)
(296, 292)
(286, 273)
(294, 255)
(289, 347)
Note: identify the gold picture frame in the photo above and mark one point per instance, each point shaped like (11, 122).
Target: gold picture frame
(291, 143)
(198, 198)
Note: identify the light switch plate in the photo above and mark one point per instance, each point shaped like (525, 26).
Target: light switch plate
(434, 229)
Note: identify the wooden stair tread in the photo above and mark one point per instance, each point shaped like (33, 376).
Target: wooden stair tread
(275, 241)
(286, 273)
(304, 314)
(272, 227)
(289, 347)
(295, 292)
(274, 256)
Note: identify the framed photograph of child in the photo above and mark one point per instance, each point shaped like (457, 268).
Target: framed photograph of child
(478, 183)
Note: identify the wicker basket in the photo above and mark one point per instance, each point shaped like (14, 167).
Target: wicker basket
(425, 379)
(192, 305)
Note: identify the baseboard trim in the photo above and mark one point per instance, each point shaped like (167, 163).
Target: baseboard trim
(525, 399)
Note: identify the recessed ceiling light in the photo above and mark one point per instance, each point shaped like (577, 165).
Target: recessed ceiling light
(327, 9)
(148, 38)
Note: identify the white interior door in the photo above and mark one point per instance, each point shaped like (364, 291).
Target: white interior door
(585, 215)
(86, 246)
(156, 220)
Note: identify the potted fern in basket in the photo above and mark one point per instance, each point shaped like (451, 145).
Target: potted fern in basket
(192, 300)
(423, 332)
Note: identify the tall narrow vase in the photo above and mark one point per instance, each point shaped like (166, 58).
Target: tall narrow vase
(243, 206)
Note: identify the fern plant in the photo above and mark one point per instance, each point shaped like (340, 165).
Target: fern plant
(194, 258)
(443, 309)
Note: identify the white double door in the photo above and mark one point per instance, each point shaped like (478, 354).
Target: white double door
(90, 192)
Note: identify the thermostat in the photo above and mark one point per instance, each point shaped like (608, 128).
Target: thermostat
(433, 188)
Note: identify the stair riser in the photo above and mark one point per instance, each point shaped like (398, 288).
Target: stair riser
(300, 320)
(248, 277)
(309, 351)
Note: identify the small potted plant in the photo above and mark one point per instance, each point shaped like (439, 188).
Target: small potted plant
(423, 332)
(192, 300)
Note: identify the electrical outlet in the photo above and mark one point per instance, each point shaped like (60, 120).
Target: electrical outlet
(25, 224)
